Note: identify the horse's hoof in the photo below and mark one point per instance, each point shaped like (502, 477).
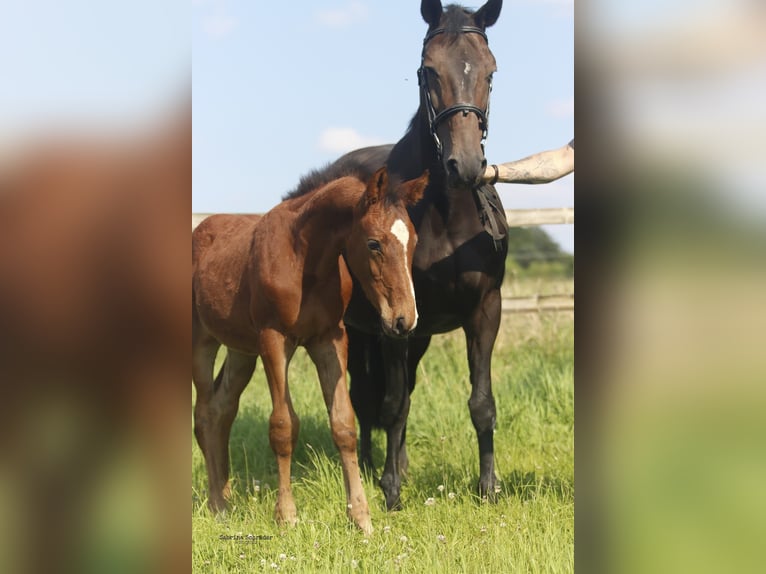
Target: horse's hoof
(489, 490)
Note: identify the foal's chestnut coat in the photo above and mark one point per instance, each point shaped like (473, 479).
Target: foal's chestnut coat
(264, 285)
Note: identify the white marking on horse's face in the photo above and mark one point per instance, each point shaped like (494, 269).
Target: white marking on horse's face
(400, 231)
(467, 68)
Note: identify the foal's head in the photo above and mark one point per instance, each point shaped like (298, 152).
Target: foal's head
(455, 78)
(380, 247)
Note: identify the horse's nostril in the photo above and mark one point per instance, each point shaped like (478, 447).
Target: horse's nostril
(484, 164)
(400, 328)
(452, 167)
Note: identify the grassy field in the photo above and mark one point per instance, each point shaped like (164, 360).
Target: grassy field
(443, 526)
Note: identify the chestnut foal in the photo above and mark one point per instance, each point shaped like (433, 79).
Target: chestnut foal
(261, 286)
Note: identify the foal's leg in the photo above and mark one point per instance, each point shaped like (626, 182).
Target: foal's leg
(480, 332)
(393, 416)
(330, 357)
(276, 352)
(204, 350)
(236, 373)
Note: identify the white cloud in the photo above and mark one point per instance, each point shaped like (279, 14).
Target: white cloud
(219, 26)
(561, 108)
(343, 16)
(341, 140)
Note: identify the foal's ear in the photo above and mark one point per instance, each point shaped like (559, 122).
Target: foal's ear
(488, 14)
(412, 191)
(431, 10)
(376, 186)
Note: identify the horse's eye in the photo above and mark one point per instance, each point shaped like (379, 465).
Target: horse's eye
(374, 245)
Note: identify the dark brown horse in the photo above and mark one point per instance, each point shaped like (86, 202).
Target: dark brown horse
(264, 285)
(460, 256)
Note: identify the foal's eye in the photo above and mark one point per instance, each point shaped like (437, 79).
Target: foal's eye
(374, 245)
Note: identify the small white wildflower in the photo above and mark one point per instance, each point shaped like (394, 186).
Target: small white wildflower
(497, 489)
(451, 495)
(292, 557)
(442, 438)
(263, 562)
(403, 538)
(283, 556)
(365, 541)
(316, 544)
(483, 530)
(503, 525)
(441, 538)
(274, 566)
(241, 555)
(440, 488)
(349, 506)
(386, 529)
(430, 501)
(354, 563)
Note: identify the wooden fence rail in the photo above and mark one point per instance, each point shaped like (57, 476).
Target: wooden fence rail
(516, 217)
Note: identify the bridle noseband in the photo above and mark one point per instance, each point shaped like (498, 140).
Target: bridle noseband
(433, 118)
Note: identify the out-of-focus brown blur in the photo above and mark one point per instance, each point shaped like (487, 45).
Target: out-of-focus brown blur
(94, 331)
(94, 311)
(671, 130)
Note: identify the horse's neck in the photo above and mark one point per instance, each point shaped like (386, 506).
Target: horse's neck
(416, 151)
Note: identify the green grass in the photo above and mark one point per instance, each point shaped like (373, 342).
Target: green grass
(529, 529)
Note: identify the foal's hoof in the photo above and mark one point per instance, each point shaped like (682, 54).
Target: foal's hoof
(286, 514)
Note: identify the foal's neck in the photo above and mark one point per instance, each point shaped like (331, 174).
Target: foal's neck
(324, 222)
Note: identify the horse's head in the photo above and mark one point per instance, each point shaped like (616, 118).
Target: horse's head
(380, 247)
(455, 78)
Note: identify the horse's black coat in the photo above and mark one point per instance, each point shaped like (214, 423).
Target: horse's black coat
(457, 271)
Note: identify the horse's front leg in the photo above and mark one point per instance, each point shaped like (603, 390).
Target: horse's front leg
(481, 332)
(393, 416)
(276, 352)
(330, 355)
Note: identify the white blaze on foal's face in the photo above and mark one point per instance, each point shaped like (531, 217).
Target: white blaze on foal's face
(400, 231)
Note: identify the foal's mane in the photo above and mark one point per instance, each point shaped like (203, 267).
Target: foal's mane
(318, 178)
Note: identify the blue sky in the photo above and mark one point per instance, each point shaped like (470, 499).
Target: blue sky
(282, 88)
(279, 88)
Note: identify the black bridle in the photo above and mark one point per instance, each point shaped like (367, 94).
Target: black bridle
(435, 118)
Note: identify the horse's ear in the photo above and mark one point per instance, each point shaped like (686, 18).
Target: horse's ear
(431, 10)
(412, 190)
(376, 186)
(488, 14)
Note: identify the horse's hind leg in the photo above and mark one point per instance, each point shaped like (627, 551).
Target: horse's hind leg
(276, 352)
(393, 416)
(481, 332)
(330, 357)
(368, 384)
(417, 348)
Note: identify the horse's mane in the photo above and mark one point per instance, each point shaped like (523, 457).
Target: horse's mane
(317, 178)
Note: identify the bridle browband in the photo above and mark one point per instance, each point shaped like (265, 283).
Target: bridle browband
(435, 118)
